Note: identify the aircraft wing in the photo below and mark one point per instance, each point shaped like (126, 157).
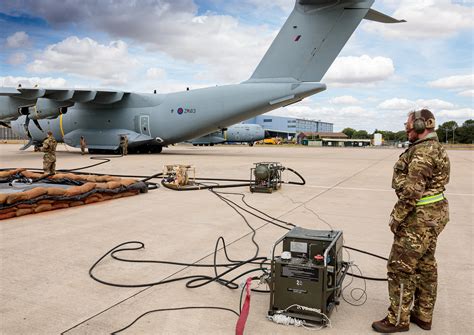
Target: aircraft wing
(99, 96)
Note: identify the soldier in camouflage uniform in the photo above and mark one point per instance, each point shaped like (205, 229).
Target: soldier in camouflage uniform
(49, 158)
(83, 145)
(418, 217)
(124, 144)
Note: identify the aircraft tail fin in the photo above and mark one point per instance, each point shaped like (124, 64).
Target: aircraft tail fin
(311, 38)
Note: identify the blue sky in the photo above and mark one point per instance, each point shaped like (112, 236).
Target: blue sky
(382, 73)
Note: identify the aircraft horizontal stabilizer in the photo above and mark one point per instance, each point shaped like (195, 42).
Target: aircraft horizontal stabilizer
(101, 97)
(373, 15)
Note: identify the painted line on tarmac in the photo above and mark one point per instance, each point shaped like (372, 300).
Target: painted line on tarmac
(378, 190)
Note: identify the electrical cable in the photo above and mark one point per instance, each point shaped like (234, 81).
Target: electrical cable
(201, 280)
(256, 209)
(173, 309)
(362, 298)
(192, 278)
(257, 216)
(309, 209)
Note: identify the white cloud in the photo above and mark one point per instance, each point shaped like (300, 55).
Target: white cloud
(16, 58)
(467, 93)
(344, 100)
(426, 19)
(88, 59)
(366, 118)
(18, 40)
(407, 105)
(155, 73)
(47, 82)
(350, 116)
(285, 5)
(355, 111)
(454, 82)
(462, 113)
(226, 49)
(396, 104)
(363, 69)
(434, 104)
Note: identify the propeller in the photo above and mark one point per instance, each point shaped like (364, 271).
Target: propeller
(30, 142)
(37, 124)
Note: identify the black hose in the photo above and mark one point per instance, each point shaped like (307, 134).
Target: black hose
(366, 252)
(303, 181)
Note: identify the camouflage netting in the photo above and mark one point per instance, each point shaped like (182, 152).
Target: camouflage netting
(83, 189)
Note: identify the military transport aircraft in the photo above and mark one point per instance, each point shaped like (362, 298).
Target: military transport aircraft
(290, 71)
(238, 133)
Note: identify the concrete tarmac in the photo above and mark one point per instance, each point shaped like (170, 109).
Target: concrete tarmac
(45, 286)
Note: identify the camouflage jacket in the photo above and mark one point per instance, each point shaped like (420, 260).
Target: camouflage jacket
(422, 170)
(49, 146)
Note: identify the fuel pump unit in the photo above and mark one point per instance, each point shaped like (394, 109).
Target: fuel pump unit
(265, 177)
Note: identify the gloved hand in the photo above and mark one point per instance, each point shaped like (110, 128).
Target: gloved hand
(394, 225)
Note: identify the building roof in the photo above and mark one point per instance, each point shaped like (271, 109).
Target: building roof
(346, 140)
(323, 135)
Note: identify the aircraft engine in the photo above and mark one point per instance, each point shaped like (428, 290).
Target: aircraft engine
(48, 109)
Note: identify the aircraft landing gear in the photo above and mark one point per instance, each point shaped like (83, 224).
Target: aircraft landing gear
(147, 149)
(157, 149)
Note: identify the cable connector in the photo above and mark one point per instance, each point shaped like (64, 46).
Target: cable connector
(263, 279)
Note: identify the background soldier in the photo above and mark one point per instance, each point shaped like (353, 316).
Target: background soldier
(124, 144)
(418, 217)
(49, 158)
(83, 145)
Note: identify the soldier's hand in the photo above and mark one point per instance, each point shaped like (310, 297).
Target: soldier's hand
(394, 225)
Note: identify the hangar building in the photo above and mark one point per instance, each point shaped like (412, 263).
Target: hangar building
(289, 126)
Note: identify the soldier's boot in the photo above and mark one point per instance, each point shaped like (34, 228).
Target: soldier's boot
(420, 323)
(385, 327)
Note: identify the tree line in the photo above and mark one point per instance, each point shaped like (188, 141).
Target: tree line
(448, 132)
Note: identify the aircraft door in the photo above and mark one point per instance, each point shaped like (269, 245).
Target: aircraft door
(144, 122)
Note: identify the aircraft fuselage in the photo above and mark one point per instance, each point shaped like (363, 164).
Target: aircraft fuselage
(163, 119)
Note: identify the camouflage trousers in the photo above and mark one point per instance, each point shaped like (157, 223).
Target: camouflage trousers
(49, 164)
(412, 273)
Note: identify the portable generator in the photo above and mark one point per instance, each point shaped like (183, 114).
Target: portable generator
(265, 177)
(306, 278)
(178, 175)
